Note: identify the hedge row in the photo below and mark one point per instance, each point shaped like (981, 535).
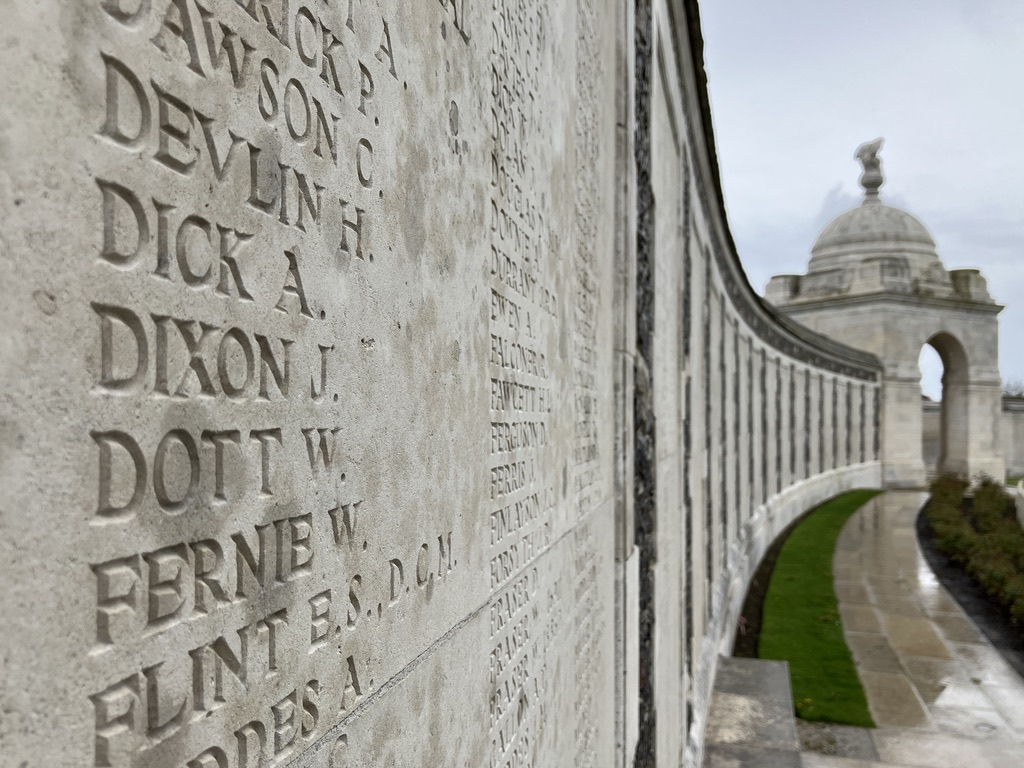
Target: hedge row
(982, 535)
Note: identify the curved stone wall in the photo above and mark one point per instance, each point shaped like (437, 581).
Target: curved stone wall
(757, 419)
(381, 386)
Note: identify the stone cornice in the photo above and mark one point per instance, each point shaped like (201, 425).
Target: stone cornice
(873, 299)
(770, 325)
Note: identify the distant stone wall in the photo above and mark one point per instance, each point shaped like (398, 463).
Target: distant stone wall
(1012, 429)
(381, 386)
(931, 435)
(1011, 434)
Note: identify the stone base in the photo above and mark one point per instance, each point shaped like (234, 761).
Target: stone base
(751, 720)
(904, 474)
(994, 468)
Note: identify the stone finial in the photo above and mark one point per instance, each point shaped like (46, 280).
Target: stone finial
(871, 179)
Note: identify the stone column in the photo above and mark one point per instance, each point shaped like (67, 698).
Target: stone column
(800, 379)
(984, 443)
(774, 439)
(703, 541)
(743, 446)
(844, 424)
(902, 459)
(856, 423)
(627, 558)
(728, 427)
(788, 425)
(757, 430)
(716, 407)
(814, 423)
(828, 455)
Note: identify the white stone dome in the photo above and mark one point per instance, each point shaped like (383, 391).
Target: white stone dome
(875, 249)
(874, 230)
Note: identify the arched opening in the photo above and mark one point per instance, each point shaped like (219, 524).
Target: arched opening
(944, 403)
(930, 365)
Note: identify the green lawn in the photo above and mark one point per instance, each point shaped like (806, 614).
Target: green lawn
(1013, 480)
(801, 619)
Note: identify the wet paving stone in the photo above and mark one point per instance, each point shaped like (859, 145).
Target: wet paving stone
(941, 694)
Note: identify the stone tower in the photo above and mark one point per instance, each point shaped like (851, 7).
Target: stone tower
(875, 281)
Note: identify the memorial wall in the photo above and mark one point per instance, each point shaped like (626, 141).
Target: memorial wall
(380, 386)
(756, 418)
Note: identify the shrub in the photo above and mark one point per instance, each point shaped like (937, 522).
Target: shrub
(983, 535)
(948, 487)
(953, 538)
(1013, 591)
(1017, 610)
(991, 571)
(989, 505)
(1008, 540)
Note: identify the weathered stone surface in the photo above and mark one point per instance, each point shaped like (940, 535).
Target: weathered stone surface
(1012, 432)
(751, 720)
(308, 453)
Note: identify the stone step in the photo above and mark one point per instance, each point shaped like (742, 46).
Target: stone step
(751, 722)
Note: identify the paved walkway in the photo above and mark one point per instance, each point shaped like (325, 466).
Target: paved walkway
(941, 695)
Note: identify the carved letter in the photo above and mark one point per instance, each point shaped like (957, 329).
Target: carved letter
(105, 507)
(112, 128)
(108, 379)
(115, 714)
(178, 22)
(264, 436)
(116, 582)
(351, 684)
(128, 18)
(192, 223)
(397, 580)
(213, 757)
(345, 517)
(111, 253)
(356, 227)
(187, 442)
(364, 162)
(385, 50)
(218, 440)
(156, 730)
(229, 43)
(168, 130)
(318, 451)
(268, 95)
(293, 286)
(220, 167)
(233, 391)
(318, 397)
(365, 87)
(269, 363)
(229, 262)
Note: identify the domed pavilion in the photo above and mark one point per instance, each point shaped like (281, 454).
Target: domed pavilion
(875, 281)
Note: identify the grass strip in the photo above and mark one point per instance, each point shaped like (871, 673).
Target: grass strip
(801, 622)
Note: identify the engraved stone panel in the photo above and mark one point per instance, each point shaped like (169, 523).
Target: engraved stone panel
(309, 450)
(307, 383)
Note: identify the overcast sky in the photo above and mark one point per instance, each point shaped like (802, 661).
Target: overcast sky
(797, 85)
